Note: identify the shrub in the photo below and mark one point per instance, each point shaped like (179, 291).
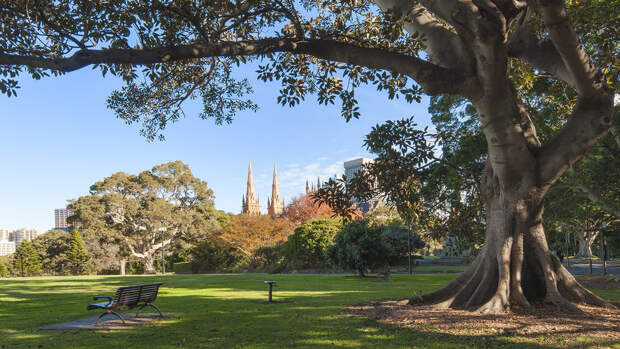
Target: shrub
(182, 267)
(361, 246)
(4, 271)
(307, 246)
(209, 256)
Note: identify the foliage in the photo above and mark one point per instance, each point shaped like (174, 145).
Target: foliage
(361, 246)
(138, 210)
(306, 248)
(303, 208)
(26, 259)
(333, 195)
(76, 254)
(52, 250)
(249, 233)
(270, 258)
(209, 256)
(4, 271)
(182, 267)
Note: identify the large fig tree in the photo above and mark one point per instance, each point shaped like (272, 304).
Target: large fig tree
(172, 51)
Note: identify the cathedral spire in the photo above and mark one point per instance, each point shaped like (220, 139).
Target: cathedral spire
(307, 187)
(251, 204)
(276, 205)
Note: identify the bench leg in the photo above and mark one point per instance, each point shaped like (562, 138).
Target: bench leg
(150, 305)
(111, 313)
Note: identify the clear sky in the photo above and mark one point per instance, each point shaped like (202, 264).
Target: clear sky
(57, 138)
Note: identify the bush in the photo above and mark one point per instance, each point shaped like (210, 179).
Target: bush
(270, 258)
(209, 256)
(307, 246)
(4, 271)
(182, 267)
(361, 246)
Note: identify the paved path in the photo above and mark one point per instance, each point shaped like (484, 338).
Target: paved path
(581, 266)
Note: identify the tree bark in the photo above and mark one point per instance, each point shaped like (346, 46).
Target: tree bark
(122, 264)
(585, 243)
(149, 263)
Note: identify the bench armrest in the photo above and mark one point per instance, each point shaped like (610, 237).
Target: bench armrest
(108, 298)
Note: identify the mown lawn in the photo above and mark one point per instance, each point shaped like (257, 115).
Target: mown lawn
(219, 311)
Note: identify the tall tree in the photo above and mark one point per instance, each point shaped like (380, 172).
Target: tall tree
(168, 52)
(26, 260)
(303, 208)
(152, 210)
(52, 250)
(76, 254)
(249, 233)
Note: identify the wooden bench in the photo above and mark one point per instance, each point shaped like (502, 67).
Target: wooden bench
(128, 297)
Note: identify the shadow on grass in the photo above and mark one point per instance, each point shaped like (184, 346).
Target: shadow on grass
(219, 311)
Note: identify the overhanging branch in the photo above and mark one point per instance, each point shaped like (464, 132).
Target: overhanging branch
(432, 78)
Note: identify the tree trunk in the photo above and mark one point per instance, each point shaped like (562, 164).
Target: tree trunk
(122, 264)
(149, 264)
(515, 268)
(585, 244)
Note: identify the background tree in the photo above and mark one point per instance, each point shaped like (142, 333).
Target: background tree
(303, 208)
(249, 233)
(103, 241)
(363, 247)
(52, 250)
(165, 201)
(4, 271)
(76, 254)
(471, 49)
(306, 248)
(26, 259)
(210, 256)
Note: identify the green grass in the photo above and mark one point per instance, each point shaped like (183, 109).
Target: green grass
(218, 311)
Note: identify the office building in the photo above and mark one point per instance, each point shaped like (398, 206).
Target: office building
(60, 218)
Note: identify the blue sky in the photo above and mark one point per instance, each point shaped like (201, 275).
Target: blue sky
(57, 138)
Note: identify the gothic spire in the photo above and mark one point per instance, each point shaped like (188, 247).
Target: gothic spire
(251, 204)
(250, 189)
(276, 206)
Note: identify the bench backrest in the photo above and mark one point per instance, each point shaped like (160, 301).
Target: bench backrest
(131, 295)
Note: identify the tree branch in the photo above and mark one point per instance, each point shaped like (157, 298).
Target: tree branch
(432, 78)
(587, 78)
(443, 47)
(588, 123)
(541, 54)
(595, 196)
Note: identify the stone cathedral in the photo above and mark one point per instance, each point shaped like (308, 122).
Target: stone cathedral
(250, 203)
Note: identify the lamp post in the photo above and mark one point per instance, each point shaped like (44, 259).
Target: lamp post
(162, 230)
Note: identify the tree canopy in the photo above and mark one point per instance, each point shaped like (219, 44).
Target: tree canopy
(500, 58)
(138, 210)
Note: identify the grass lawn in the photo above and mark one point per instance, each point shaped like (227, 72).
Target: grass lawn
(218, 311)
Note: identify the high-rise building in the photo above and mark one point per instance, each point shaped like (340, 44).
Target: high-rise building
(250, 204)
(275, 206)
(7, 247)
(4, 235)
(351, 170)
(22, 234)
(60, 218)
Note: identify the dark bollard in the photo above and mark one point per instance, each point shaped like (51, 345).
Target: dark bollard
(270, 283)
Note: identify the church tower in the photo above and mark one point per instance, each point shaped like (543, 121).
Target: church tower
(250, 204)
(276, 205)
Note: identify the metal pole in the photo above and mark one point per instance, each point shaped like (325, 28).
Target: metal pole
(163, 256)
(409, 246)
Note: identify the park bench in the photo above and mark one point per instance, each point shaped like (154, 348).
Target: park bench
(128, 297)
